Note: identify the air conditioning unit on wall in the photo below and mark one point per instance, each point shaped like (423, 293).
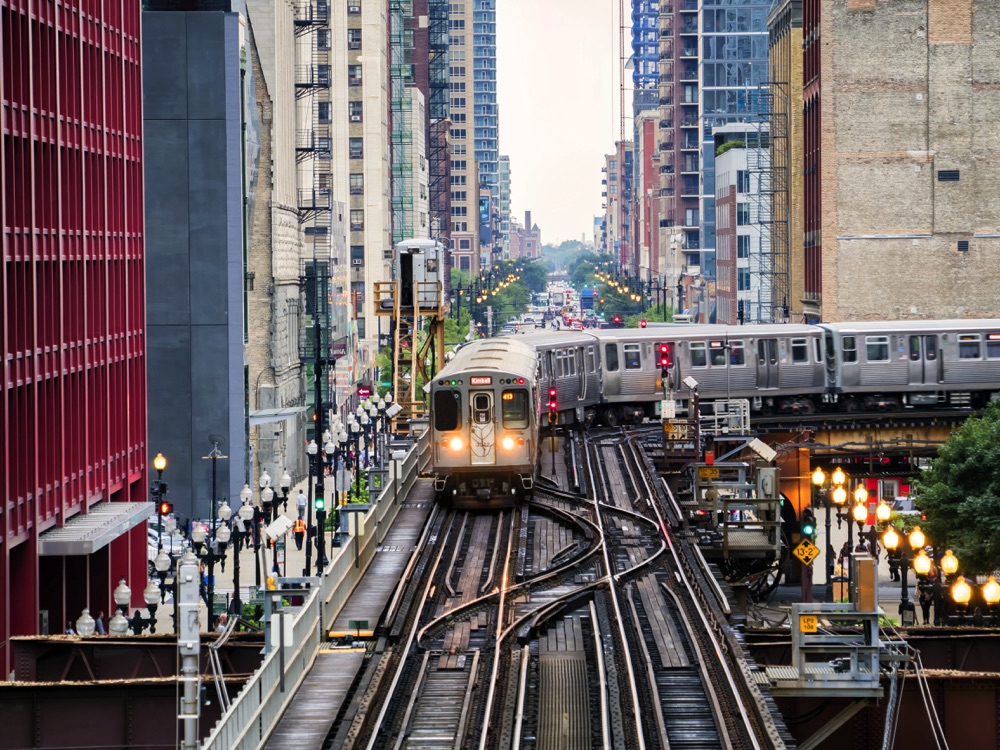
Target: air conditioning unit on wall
(355, 118)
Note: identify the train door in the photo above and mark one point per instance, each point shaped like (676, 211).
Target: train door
(482, 429)
(581, 374)
(923, 357)
(767, 363)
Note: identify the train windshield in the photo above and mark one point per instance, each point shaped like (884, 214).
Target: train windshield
(515, 409)
(446, 410)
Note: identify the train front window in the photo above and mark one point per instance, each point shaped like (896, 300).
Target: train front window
(482, 408)
(446, 410)
(514, 409)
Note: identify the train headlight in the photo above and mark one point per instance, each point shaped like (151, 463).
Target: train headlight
(455, 443)
(508, 443)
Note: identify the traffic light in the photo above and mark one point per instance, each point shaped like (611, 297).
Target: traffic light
(165, 508)
(319, 503)
(617, 321)
(665, 359)
(808, 523)
(553, 407)
(642, 323)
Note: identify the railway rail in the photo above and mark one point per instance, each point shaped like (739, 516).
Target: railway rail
(570, 621)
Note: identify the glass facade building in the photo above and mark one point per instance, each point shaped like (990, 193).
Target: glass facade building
(485, 82)
(734, 67)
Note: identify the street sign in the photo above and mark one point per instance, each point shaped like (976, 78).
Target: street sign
(364, 391)
(708, 472)
(808, 623)
(675, 430)
(806, 551)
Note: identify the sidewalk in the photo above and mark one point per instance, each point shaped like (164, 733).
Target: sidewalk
(255, 567)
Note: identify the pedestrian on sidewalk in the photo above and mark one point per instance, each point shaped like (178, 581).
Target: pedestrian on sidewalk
(926, 598)
(99, 623)
(299, 530)
(301, 501)
(893, 557)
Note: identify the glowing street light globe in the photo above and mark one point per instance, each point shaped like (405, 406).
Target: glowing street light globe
(891, 539)
(818, 477)
(949, 563)
(961, 592)
(839, 477)
(917, 538)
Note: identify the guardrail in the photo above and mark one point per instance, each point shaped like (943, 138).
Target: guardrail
(256, 710)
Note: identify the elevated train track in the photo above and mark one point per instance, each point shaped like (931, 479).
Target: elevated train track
(571, 622)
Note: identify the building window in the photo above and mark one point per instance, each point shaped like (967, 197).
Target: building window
(458, 102)
(690, 217)
(356, 148)
(357, 219)
(354, 75)
(742, 214)
(357, 184)
(458, 133)
(357, 255)
(355, 109)
(743, 279)
(465, 244)
(742, 181)
(323, 113)
(459, 195)
(464, 262)
(354, 39)
(743, 246)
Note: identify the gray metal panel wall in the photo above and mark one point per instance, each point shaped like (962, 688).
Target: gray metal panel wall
(194, 251)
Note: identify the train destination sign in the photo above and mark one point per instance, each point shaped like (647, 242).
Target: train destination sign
(481, 380)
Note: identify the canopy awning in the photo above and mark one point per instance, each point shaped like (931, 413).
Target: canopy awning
(266, 416)
(85, 533)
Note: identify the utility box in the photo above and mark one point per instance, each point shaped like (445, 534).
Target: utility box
(419, 267)
(864, 584)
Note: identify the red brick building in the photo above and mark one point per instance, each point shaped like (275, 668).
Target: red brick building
(73, 460)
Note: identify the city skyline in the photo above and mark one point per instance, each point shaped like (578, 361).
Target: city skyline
(557, 175)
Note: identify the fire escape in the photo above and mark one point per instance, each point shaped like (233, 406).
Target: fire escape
(401, 173)
(313, 153)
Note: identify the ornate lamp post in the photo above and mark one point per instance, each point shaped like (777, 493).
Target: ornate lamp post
(286, 486)
(265, 498)
(119, 624)
(159, 489)
(838, 496)
(312, 450)
(85, 624)
(991, 595)
(961, 593)
(162, 564)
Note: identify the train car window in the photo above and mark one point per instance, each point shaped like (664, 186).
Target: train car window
(849, 346)
(717, 354)
(446, 410)
(611, 357)
(481, 408)
(819, 350)
(877, 348)
(930, 352)
(633, 357)
(968, 346)
(992, 345)
(698, 354)
(591, 360)
(736, 353)
(800, 351)
(514, 409)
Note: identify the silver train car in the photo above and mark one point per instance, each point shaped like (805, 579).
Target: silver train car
(883, 366)
(485, 407)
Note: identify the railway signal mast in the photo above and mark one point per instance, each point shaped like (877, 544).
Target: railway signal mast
(553, 421)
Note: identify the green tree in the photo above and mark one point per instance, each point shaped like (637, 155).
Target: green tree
(960, 493)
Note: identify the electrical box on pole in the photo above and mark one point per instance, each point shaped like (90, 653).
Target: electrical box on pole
(415, 302)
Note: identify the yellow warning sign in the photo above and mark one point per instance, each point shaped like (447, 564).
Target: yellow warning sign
(806, 551)
(708, 472)
(808, 623)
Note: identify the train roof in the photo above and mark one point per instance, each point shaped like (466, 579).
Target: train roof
(705, 331)
(501, 354)
(915, 326)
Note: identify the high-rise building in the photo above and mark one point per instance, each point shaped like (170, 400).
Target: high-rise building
(367, 33)
(733, 67)
(678, 139)
(73, 463)
(464, 199)
(900, 159)
(645, 134)
(485, 113)
(785, 86)
(505, 204)
(617, 172)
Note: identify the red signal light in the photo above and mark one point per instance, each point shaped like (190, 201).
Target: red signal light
(618, 319)
(665, 358)
(165, 509)
(642, 323)
(553, 400)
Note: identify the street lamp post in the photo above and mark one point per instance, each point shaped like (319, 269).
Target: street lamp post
(245, 513)
(119, 624)
(891, 540)
(312, 450)
(265, 500)
(159, 490)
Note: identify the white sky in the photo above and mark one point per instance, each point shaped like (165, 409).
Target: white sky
(558, 95)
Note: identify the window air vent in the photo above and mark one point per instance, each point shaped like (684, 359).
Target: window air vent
(948, 175)
(963, 246)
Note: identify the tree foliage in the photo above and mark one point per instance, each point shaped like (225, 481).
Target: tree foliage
(960, 493)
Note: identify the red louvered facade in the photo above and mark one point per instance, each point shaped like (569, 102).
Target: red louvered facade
(73, 406)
